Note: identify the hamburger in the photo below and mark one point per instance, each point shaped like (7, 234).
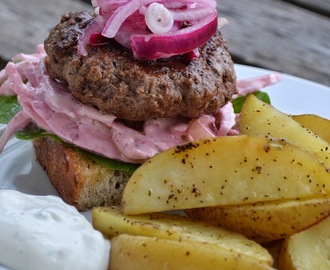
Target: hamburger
(107, 91)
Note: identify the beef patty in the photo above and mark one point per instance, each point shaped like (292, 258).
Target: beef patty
(110, 79)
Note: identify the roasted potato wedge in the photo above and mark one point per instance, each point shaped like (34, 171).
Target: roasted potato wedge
(266, 221)
(309, 249)
(160, 236)
(229, 170)
(260, 118)
(140, 253)
(315, 123)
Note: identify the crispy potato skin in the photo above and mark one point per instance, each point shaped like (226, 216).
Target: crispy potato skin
(140, 253)
(230, 170)
(315, 123)
(266, 221)
(168, 241)
(259, 118)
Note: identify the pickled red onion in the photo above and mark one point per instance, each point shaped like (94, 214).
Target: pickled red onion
(118, 17)
(93, 28)
(191, 24)
(187, 15)
(151, 47)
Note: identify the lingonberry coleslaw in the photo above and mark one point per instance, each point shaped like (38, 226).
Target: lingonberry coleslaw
(41, 101)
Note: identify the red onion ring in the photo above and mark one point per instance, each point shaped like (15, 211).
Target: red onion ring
(192, 14)
(158, 18)
(151, 47)
(117, 19)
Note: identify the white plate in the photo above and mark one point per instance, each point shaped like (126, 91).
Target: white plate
(20, 171)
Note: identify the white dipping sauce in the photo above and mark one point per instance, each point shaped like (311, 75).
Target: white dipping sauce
(42, 232)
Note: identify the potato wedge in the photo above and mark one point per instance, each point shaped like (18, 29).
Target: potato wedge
(182, 233)
(260, 118)
(309, 249)
(140, 253)
(225, 171)
(266, 221)
(315, 123)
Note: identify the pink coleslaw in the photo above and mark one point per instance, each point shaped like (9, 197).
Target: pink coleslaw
(48, 104)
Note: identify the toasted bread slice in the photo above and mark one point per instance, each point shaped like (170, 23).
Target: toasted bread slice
(79, 180)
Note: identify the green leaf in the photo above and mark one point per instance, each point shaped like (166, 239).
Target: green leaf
(238, 102)
(9, 107)
(33, 132)
(263, 96)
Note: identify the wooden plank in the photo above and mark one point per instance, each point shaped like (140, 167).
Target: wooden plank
(279, 36)
(321, 6)
(23, 26)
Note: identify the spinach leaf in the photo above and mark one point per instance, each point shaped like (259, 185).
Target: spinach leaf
(9, 107)
(32, 132)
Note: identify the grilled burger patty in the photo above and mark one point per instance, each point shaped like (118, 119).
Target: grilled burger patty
(110, 79)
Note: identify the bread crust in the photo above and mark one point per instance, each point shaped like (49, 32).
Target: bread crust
(80, 181)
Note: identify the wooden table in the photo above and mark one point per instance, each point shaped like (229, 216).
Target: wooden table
(287, 36)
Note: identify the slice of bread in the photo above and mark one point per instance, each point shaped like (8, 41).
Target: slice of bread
(79, 180)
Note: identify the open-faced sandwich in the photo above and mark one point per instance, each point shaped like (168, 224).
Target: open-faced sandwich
(109, 90)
